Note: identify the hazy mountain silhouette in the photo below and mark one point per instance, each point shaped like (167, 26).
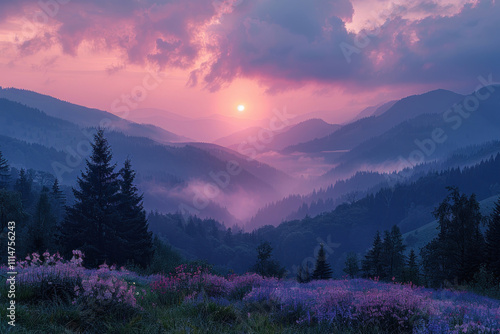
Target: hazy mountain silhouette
(86, 117)
(204, 129)
(168, 175)
(353, 134)
(416, 135)
(377, 110)
(278, 140)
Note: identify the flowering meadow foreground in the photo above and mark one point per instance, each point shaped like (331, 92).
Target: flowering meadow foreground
(58, 296)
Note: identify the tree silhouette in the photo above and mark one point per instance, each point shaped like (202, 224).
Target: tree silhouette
(303, 274)
(90, 224)
(4, 172)
(42, 231)
(136, 243)
(23, 185)
(493, 241)
(412, 273)
(458, 250)
(265, 266)
(352, 265)
(322, 270)
(372, 264)
(393, 260)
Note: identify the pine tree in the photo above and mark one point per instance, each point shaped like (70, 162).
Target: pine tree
(458, 251)
(322, 270)
(393, 260)
(58, 201)
(57, 193)
(136, 241)
(90, 224)
(41, 232)
(372, 264)
(11, 208)
(23, 186)
(493, 241)
(4, 172)
(412, 272)
(352, 265)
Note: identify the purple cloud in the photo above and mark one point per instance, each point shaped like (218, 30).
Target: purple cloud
(282, 43)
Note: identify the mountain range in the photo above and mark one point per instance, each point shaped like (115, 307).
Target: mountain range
(176, 172)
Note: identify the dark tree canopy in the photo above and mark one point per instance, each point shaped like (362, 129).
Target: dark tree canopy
(411, 273)
(134, 236)
(23, 185)
(372, 264)
(322, 270)
(493, 241)
(4, 172)
(42, 230)
(352, 265)
(265, 265)
(458, 250)
(393, 260)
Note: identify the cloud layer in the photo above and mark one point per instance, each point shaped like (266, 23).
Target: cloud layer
(281, 43)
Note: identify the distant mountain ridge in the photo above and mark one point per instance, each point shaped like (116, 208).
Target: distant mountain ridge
(168, 175)
(291, 135)
(412, 140)
(377, 110)
(204, 129)
(353, 134)
(87, 117)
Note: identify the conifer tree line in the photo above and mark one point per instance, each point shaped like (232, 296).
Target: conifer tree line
(107, 221)
(457, 255)
(386, 260)
(461, 251)
(36, 202)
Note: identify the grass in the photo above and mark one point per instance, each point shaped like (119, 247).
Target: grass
(193, 301)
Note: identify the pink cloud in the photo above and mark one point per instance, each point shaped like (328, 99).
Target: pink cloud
(283, 44)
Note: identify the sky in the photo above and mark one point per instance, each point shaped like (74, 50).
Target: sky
(200, 57)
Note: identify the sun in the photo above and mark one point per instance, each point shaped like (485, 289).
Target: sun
(241, 108)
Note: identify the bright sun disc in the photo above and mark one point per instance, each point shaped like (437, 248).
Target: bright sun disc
(241, 107)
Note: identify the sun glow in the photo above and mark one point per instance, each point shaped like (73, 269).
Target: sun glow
(241, 108)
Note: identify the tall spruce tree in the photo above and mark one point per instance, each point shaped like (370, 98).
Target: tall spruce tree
(493, 241)
(90, 224)
(372, 264)
(393, 260)
(136, 241)
(4, 172)
(322, 270)
(411, 272)
(456, 254)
